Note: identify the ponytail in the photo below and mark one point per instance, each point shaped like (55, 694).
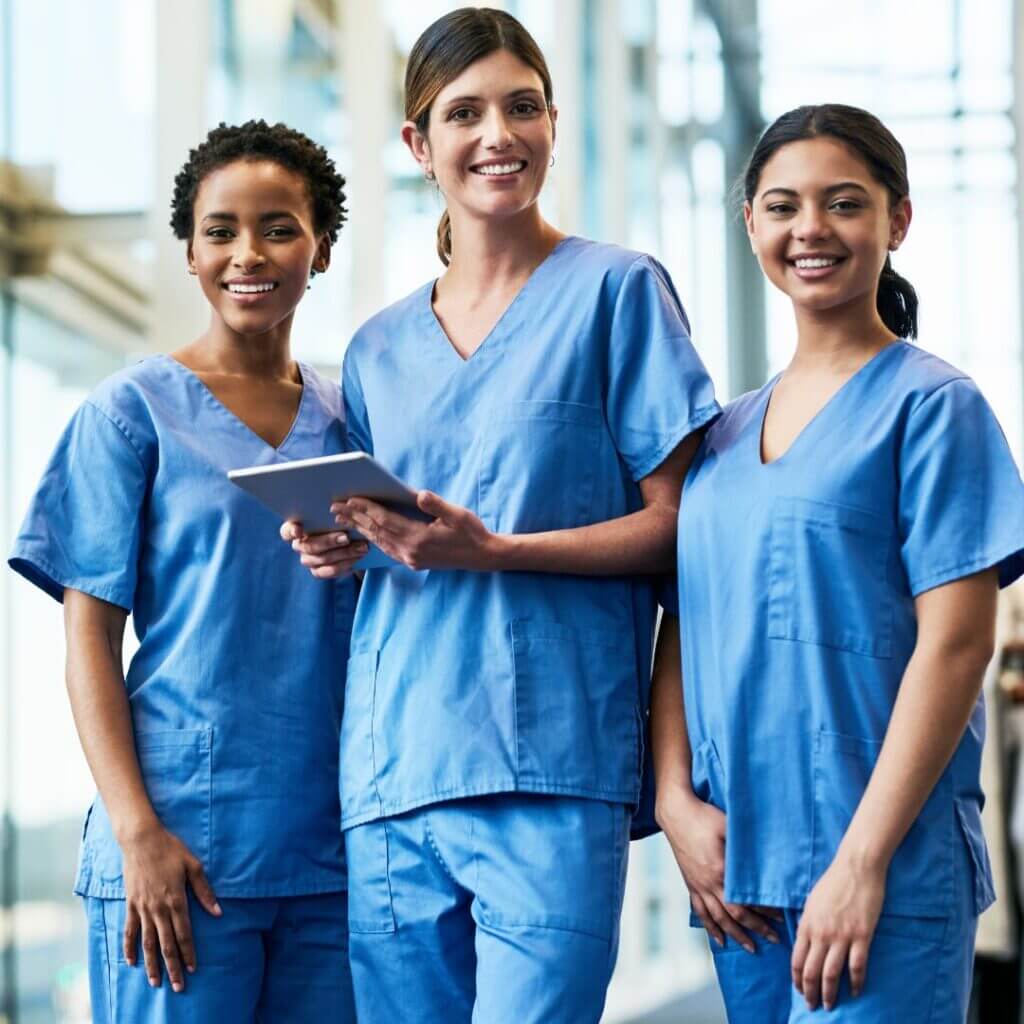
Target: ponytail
(444, 241)
(897, 302)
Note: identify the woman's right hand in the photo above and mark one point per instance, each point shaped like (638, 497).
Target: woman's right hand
(696, 832)
(328, 556)
(158, 868)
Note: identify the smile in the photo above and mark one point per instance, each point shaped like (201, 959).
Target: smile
(493, 170)
(815, 263)
(250, 289)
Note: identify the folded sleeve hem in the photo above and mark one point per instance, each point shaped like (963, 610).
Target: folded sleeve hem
(1009, 559)
(53, 581)
(699, 419)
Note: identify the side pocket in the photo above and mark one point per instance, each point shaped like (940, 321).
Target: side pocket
(920, 879)
(968, 816)
(357, 780)
(707, 777)
(577, 723)
(370, 905)
(176, 768)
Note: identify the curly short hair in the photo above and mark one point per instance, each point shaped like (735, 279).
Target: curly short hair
(257, 140)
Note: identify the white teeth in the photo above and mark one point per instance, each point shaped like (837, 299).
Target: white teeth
(501, 168)
(815, 264)
(249, 289)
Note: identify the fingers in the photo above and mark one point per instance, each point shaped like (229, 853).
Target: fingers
(292, 530)
(811, 981)
(169, 949)
(832, 971)
(151, 949)
(858, 966)
(182, 927)
(726, 923)
(752, 921)
(434, 505)
(798, 959)
(203, 890)
(701, 910)
(131, 934)
(774, 913)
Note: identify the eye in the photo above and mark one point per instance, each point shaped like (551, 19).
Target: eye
(219, 233)
(461, 114)
(280, 232)
(780, 208)
(524, 108)
(845, 205)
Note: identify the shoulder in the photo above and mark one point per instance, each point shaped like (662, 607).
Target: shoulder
(402, 319)
(735, 417)
(919, 373)
(130, 398)
(324, 390)
(613, 264)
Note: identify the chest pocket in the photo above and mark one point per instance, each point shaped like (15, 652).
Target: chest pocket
(538, 466)
(827, 579)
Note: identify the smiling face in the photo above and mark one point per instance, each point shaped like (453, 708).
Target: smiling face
(821, 226)
(489, 139)
(254, 244)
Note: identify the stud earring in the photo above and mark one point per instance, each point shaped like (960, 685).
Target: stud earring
(428, 175)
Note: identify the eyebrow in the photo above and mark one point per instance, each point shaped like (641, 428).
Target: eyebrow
(272, 215)
(841, 186)
(530, 91)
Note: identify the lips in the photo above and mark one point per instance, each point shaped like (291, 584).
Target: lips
(499, 169)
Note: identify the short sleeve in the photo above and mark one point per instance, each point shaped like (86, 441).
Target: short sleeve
(357, 424)
(961, 505)
(658, 389)
(83, 525)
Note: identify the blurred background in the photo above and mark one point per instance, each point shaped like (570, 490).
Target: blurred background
(660, 102)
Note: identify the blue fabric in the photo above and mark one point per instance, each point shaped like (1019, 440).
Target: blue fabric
(262, 960)
(497, 909)
(797, 585)
(462, 683)
(919, 969)
(236, 688)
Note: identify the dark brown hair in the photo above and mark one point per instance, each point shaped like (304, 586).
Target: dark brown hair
(444, 51)
(870, 140)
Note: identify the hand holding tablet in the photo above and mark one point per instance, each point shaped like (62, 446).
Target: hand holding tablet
(305, 489)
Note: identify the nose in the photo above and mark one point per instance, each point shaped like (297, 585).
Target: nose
(811, 223)
(497, 133)
(248, 252)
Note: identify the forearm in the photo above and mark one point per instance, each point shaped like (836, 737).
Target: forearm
(642, 542)
(99, 704)
(937, 694)
(670, 742)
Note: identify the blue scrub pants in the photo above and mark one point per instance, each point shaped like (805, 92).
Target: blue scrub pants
(919, 970)
(265, 960)
(495, 909)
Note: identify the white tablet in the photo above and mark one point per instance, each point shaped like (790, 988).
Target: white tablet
(305, 488)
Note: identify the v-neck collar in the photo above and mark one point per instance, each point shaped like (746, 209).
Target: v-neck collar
(822, 414)
(504, 322)
(212, 399)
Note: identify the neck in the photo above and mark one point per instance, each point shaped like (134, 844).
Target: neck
(223, 350)
(838, 338)
(489, 252)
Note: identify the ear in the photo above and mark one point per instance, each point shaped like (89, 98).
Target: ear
(748, 220)
(899, 222)
(417, 144)
(322, 259)
(553, 114)
(190, 258)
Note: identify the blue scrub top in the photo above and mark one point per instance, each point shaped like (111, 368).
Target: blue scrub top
(236, 688)
(469, 683)
(797, 582)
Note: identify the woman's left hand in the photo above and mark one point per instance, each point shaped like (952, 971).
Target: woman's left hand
(454, 539)
(836, 929)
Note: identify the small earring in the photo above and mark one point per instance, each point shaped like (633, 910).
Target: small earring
(190, 270)
(428, 175)
(552, 164)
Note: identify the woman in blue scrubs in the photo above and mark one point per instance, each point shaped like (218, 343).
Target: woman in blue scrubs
(491, 751)
(214, 842)
(842, 538)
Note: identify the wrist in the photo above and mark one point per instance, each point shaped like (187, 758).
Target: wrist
(135, 827)
(500, 551)
(671, 799)
(864, 855)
